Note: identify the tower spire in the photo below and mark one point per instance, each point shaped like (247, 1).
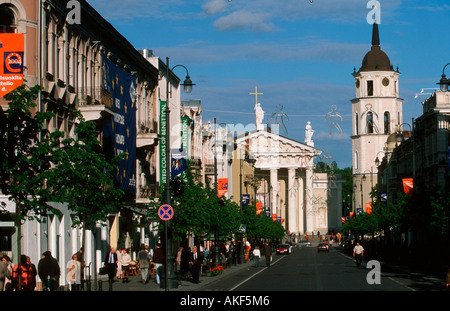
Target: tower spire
(375, 35)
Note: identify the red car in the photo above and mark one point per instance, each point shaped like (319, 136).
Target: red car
(284, 249)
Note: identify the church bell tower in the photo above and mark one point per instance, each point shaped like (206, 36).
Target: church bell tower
(376, 109)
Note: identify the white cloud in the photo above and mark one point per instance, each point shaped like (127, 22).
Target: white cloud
(215, 7)
(256, 22)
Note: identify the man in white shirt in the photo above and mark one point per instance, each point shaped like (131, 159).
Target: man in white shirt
(358, 253)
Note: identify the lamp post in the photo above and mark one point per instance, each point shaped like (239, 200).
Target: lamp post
(444, 82)
(399, 139)
(170, 280)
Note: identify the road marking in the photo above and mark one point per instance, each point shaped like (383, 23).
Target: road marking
(250, 277)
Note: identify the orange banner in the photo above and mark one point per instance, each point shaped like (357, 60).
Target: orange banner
(12, 59)
(408, 185)
(222, 186)
(369, 208)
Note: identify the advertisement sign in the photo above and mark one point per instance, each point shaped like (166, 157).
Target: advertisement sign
(178, 162)
(369, 208)
(408, 185)
(185, 138)
(119, 135)
(162, 144)
(12, 58)
(222, 186)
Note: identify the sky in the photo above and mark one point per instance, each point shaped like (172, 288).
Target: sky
(300, 55)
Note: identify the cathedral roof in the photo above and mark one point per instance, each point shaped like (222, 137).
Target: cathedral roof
(376, 59)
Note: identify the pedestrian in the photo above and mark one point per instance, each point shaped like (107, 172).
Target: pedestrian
(196, 264)
(256, 255)
(23, 275)
(110, 263)
(178, 260)
(358, 253)
(119, 253)
(4, 273)
(33, 274)
(158, 260)
(9, 266)
(124, 261)
(184, 264)
(144, 263)
(74, 273)
(49, 271)
(268, 254)
(80, 259)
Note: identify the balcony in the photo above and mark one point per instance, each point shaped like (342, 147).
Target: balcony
(95, 104)
(147, 135)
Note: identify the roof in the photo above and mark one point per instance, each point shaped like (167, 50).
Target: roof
(376, 59)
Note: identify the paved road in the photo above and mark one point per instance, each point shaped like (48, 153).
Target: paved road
(307, 270)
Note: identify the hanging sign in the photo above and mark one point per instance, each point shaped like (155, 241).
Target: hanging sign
(12, 59)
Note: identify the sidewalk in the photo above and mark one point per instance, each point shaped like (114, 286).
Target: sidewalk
(135, 282)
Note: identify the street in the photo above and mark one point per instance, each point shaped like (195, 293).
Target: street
(307, 270)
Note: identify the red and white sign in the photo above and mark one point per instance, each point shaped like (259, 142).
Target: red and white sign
(12, 60)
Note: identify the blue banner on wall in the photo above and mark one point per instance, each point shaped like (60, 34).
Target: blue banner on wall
(119, 135)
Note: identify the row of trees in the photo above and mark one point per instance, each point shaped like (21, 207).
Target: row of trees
(199, 212)
(38, 167)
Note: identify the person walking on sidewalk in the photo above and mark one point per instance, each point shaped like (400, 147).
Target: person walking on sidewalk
(158, 260)
(268, 254)
(358, 253)
(197, 263)
(256, 256)
(144, 263)
(110, 263)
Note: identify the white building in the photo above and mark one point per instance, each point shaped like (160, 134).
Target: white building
(376, 109)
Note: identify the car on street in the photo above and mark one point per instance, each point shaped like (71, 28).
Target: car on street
(323, 247)
(284, 249)
(304, 243)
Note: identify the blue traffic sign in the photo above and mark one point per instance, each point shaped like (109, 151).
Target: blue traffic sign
(165, 212)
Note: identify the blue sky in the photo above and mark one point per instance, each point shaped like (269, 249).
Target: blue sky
(299, 54)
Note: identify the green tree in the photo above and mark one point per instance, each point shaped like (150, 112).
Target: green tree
(25, 165)
(83, 178)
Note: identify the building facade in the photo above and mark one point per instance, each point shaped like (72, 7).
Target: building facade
(92, 68)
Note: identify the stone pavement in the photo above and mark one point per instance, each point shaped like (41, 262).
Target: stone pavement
(135, 281)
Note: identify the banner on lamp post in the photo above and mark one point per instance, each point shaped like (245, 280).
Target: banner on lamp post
(162, 144)
(12, 58)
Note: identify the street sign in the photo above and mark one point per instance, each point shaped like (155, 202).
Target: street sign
(165, 212)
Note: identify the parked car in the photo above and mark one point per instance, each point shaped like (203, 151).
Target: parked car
(284, 249)
(304, 243)
(323, 247)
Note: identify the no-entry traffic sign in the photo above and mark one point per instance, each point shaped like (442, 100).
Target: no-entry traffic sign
(165, 212)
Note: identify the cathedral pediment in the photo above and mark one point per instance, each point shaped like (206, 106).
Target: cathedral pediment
(271, 150)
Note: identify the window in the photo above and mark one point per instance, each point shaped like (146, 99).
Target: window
(356, 160)
(356, 125)
(7, 19)
(387, 120)
(370, 88)
(369, 121)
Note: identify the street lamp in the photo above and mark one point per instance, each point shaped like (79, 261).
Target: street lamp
(170, 281)
(444, 82)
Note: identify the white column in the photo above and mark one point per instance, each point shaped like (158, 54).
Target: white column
(292, 203)
(309, 200)
(274, 189)
(300, 207)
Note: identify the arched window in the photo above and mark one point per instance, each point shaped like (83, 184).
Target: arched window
(356, 160)
(356, 125)
(7, 19)
(387, 121)
(369, 121)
